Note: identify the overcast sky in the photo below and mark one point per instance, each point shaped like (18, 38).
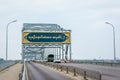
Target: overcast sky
(91, 37)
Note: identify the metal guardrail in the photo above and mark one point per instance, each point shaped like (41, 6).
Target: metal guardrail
(21, 73)
(6, 64)
(76, 71)
(99, 62)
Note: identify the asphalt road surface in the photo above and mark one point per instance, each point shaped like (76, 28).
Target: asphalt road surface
(108, 73)
(38, 72)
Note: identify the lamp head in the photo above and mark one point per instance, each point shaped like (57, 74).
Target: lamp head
(107, 22)
(14, 21)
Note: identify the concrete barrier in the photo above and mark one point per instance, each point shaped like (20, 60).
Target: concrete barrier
(6, 64)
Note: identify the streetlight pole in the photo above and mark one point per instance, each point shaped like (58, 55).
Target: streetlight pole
(7, 37)
(113, 39)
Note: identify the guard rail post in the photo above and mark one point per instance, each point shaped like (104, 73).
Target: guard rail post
(85, 76)
(61, 68)
(100, 77)
(74, 71)
(112, 64)
(57, 67)
(66, 69)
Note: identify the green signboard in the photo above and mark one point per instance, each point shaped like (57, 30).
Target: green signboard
(42, 37)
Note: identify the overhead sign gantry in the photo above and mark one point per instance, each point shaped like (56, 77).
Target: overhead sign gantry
(40, 40)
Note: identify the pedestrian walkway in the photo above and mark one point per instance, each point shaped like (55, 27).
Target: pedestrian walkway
(11, 73)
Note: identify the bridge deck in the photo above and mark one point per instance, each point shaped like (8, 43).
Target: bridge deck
(38, 72)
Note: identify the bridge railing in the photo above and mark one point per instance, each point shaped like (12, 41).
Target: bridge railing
(75, 71)
(99, 62)
(22, 73)
(6, 64)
